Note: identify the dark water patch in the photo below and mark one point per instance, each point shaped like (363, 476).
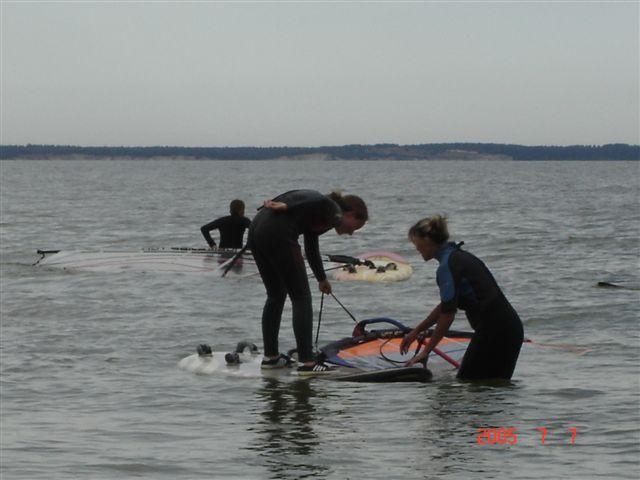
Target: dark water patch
(135, 469)
(604, 284)
(574, 393)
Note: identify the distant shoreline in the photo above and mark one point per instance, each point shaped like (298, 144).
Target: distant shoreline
(431, 151)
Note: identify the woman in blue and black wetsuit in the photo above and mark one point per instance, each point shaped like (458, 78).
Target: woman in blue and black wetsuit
(273, 240)
(466, 283)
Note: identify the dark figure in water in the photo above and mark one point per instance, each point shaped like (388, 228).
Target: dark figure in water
(273, 240)
(466, 283)
(231, 227)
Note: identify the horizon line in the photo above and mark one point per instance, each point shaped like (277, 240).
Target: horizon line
(30, 144)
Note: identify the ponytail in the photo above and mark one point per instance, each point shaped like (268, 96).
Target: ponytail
(351, 203)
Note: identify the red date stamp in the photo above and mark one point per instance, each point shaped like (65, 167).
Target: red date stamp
(509, 436)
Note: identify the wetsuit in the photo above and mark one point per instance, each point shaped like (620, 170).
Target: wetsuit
(466, 283)
(273, 240)
(231, 228)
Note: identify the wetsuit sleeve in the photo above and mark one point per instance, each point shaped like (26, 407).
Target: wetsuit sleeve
(312, 251)
(448, 288)
(297, 198)
(312, 210)
(205, 229)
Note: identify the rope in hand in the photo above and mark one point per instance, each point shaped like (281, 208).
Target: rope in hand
(420, 340)
(319, 319)
(398, 362)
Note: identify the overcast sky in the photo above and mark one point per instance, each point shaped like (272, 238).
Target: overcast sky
(310, 74)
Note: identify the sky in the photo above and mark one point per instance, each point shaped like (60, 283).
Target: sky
(318, 73)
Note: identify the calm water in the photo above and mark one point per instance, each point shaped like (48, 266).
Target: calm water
(90, 384)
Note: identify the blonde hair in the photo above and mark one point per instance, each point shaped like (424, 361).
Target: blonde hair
(434, 228)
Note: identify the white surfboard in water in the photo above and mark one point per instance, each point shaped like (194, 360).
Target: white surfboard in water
(373, 266)
(158, 260)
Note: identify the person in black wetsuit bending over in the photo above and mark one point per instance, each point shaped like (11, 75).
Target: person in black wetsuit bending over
(273, 240)
(466, 283)
(231, 227)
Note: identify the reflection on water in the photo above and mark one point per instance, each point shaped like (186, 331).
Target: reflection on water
(285, 432)
(453, 412)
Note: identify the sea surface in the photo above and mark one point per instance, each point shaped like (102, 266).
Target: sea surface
(91, 387)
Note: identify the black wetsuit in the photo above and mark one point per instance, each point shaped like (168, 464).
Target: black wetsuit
(273, 240)
(231, 228)
(466, 283)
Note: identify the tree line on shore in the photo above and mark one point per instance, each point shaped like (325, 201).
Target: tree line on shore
(382, 151)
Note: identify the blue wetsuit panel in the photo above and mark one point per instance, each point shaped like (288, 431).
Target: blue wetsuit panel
(464, 281)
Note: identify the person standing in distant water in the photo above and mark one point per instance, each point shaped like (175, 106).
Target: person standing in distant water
(273, 240)
(466, 283)
(231, 227)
